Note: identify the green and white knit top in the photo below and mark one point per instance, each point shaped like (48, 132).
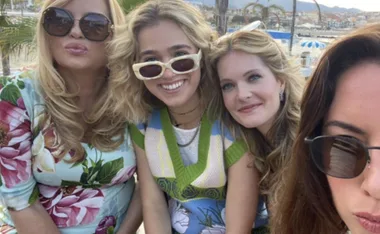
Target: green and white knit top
(196, 192)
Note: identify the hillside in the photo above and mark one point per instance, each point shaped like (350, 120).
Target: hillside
(287, 4)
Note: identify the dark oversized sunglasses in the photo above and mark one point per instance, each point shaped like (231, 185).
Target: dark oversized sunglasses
(59, 22)
(339, 156)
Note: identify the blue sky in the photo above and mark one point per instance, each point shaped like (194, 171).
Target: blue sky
(365, 5)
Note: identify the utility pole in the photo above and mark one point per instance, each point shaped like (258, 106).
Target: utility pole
(221, 17)
(293, 25)
(22, 8)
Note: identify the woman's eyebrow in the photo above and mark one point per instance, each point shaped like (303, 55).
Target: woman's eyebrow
(345, 126)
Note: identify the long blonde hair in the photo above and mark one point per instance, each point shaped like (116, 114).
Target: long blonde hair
(131, 92)
(61, 105)
(270, 151)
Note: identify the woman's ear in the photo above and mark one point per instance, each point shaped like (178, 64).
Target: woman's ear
(282, 84)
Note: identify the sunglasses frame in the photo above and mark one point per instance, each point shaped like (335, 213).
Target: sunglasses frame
(110, 24)
(195, 57)
(309, 141)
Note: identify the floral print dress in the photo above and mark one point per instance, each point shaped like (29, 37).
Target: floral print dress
(91, 196)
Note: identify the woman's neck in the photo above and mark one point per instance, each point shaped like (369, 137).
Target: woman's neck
(189, 115)
(265, 127)
(87, 84)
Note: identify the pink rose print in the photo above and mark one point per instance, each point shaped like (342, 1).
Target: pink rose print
(71, 206)
(6, 228)
(15, 145)
(21, 104)
(123, 175)
(106, 223)
(52, 141)
(47, 147)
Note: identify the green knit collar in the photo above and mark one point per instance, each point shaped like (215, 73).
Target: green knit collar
(186, 174)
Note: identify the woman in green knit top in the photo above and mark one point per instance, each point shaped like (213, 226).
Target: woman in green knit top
(261, 89)
(185, 158)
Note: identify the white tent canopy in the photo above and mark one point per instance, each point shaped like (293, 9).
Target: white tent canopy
(308, 25)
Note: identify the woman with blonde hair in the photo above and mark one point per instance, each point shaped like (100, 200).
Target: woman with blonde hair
(260, 89)
(66, 164)
(332, 182)
(185, 160)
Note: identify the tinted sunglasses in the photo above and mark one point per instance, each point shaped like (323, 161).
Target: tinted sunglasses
(179, 65)
(339, 156)
(59, 22)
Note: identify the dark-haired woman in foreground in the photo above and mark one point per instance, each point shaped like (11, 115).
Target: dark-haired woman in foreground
(333, 182)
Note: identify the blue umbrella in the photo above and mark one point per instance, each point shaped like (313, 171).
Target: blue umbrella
(313, 44)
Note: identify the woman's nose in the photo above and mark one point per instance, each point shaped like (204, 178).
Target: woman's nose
(371, 183)
(244, 92)
(75, 31)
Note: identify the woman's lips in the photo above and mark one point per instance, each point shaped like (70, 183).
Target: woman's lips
(76, 49)
(369, 222)
(248, 108)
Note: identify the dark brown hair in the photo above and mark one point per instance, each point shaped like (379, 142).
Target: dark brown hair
(303, 201)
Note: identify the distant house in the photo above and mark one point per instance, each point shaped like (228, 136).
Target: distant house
(195, 3)
(308, 26)
(339, 21)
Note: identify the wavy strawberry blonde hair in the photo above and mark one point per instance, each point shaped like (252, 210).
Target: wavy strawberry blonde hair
(273, 150)
(61, 105)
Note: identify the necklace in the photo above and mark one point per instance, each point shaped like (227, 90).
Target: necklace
(196, 132)
(192, 138)
(185, 113)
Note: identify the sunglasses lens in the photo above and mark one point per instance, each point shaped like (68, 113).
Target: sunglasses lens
(95, 27)
(150, 71)
(183, 65)
(339, 156)
(57, 22)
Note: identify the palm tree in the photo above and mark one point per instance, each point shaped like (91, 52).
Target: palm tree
(265, 11)
(128, 5)
(319, 12)
(17, 35)
(278, 20)
(221, 18)
(293, 25)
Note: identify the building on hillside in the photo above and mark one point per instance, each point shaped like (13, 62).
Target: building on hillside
(16, 5)
(198, 4)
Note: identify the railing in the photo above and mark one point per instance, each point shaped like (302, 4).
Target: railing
(24, 13)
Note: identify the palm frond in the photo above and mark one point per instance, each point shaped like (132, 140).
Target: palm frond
(319, 11)
(128, 5)
(277, 8)
(3, 5)
(255, 7)
(19, 35)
